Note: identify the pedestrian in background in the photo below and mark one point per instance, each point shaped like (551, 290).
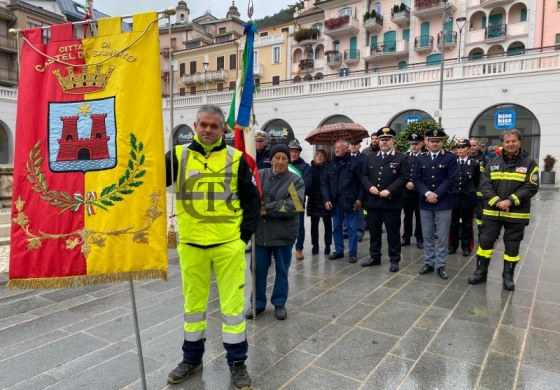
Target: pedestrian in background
(373, 147)
(343, 193)
(315, 205)
(509, 182)
(217, 215)
(304, 171)
(282, 203)
(434, 177)
(464, 200)
(361, 227)
(384, 177)
(263, 152)
(410, 196)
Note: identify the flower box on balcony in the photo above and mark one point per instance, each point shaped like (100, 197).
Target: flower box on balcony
(334, 23)
(307, 34)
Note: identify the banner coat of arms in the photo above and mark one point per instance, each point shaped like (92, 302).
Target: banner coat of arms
(89, 176)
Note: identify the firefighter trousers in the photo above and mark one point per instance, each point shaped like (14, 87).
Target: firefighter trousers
(489, 231)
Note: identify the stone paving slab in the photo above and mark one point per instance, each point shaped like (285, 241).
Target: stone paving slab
(348, 327)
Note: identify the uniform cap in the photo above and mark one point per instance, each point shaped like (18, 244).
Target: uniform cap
(386, 132)
(261, 135)
(435, 133)
(463, 142)
(414, 139)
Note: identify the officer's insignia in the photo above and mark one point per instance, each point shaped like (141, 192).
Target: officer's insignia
(521, 169)
(435, 133)
(82, 136)
(414, 136)
(386, 130)
(494, 168)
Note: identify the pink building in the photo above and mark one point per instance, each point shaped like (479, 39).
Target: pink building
(547, 23)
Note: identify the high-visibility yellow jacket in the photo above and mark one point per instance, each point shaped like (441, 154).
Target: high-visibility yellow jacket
(212, 201)
(516, 179)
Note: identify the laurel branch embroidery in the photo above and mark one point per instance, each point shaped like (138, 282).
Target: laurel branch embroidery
(85, 238)
(109, 195)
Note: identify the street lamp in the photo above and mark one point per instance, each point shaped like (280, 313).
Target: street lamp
(205, 65)
(460, 24)
(442, 58)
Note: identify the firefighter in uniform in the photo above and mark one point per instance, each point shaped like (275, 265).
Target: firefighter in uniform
(477, 155)
(464, 200)
(384, 177)
(218, 210)
(508, 184)
(434, 177)
(410, 196)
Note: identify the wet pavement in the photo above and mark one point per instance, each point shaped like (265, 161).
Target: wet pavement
(348, 327)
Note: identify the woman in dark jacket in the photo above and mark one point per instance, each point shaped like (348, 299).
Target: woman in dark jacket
(315, 205)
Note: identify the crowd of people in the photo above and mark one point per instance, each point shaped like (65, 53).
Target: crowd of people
(427, 193)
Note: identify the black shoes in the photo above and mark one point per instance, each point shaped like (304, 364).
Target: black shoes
(466, 252)
(420, 244)
(481, 272)
(336, 255)
(442, 274)
(394, 267)
(182, 372)
(405, 241)
(315, 250)
(352, 258)
(280, 312)
(507, 275)
(240, 376)
(327, 250)
(371, 262)
(426, 269)
(249, 312)
(451, 250)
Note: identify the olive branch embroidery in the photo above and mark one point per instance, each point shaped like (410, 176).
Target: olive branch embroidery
(109, 195)
(85, 238)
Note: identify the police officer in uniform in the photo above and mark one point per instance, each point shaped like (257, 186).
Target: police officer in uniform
(509, 182)
(384, 178)
(434, 177)
(410, 196)
(464, 200)
(263, 152)
(477, 155)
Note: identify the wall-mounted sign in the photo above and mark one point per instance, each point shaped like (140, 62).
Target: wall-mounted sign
(504, 119)
(412, 118)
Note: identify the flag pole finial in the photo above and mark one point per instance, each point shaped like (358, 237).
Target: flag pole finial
(250, 9)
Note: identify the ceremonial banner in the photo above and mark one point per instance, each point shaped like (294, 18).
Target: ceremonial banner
(240, 119)
(89, 176)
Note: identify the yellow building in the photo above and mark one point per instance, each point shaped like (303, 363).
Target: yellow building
(271, 63)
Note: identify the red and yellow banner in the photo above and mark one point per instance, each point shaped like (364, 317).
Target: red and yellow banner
(89, 176)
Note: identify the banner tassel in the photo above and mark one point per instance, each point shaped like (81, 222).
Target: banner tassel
(171, 237)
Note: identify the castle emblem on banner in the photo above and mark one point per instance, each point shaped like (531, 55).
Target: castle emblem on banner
(82, 135)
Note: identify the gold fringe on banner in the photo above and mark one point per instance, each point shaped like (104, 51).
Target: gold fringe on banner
(84, 280)
(171, 237)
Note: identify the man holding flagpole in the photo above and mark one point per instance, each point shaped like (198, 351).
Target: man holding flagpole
(218, 211)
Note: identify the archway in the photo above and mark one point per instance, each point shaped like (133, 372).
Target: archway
(84, 154)
(490, 124)
(279, 132)
(4, 146)
(182, 134)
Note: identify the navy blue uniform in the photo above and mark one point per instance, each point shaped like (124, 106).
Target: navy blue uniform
(411, 208)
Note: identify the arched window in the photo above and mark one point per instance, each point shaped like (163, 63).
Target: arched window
(279, 132)
(490, 124)
(318, 26)
(4, 155)
(399, 122)
(183, 134)
(377, 8)
(345, 11)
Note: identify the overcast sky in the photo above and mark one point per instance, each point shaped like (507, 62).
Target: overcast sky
(218, 8)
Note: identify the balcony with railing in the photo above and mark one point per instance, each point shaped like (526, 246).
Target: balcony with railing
(401, 18)
(494, 3)
(307, 36)
(495, 32)
(374, 24)
(351, 56)
(9, 77)
(264, 41)
(449, 39)
(205, 77)
(427, 8)
(341, 26)
(387, 49)
(423, 43)
(8, 44)
(306, 65)
(334, 58)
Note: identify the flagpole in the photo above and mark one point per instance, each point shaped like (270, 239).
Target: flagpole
(137, 331)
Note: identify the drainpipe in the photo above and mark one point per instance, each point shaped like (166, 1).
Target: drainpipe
(542, 23)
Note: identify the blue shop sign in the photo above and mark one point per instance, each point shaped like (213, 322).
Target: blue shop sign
(413, 118)
(504, 120)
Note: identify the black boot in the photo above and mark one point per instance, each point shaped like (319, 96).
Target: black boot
(481, 270)
(507, 275)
